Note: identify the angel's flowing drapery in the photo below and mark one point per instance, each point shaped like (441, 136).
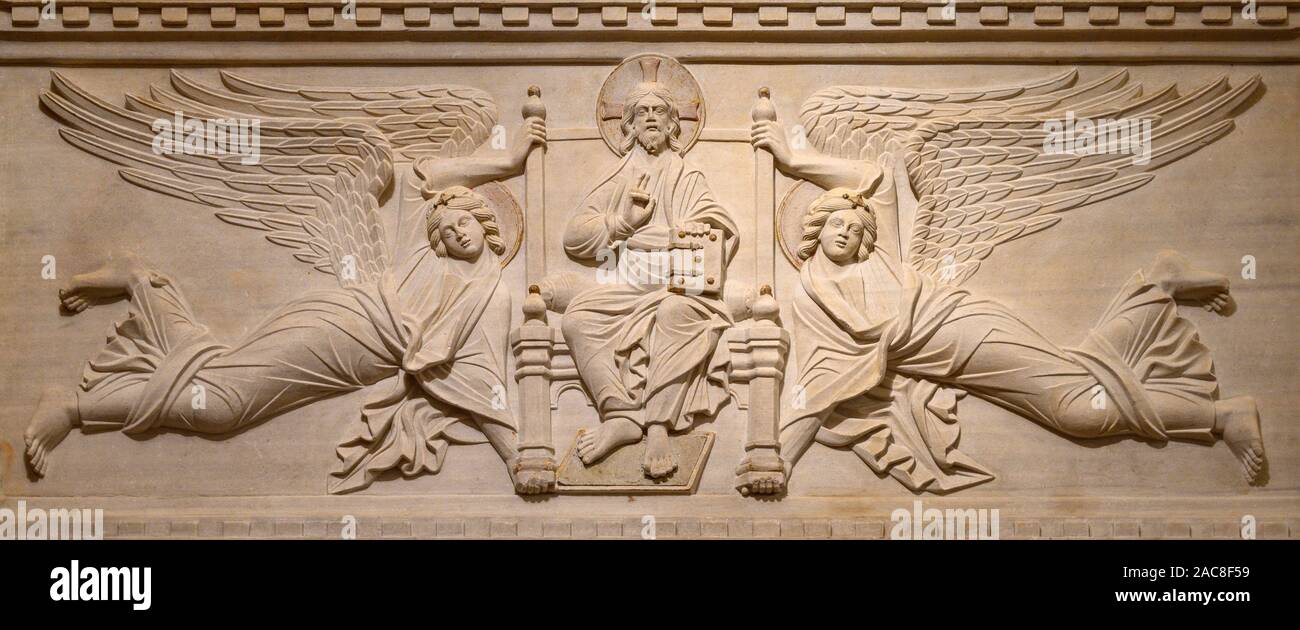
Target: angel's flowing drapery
(434, 326)
(437, 327)
(645, 353)
(876, 340)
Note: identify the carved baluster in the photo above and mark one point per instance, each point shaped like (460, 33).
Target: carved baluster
(764, 196)
(533, 342)
(533, 347)
(768, 346)
(535, 196)
(767, 342)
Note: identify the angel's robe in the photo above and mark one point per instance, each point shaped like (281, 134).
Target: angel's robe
(876, 341)
(455, 320)
(645, 353)
(436, 327)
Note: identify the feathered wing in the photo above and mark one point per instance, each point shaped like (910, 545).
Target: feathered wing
(978, 163)
(864, 122)
(326, 154)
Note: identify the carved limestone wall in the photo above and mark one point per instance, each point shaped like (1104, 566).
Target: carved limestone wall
(544, 270)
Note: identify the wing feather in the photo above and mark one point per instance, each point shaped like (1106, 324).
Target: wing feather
(325, 154)
(978, 161)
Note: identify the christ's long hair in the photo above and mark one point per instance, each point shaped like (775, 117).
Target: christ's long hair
(461, 198)
(823, 207)
(674, 130)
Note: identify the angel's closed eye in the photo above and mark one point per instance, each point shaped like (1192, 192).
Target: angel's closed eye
(837, 222)
(464, 221)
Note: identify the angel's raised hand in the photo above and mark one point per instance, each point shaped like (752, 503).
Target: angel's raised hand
(531, 134)
(770, 135)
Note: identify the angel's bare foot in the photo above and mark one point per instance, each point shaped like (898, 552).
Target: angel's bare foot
(533, 476)
(659, 459)
(55, 415)
(762, 475)
(594, 445)
(111, 280)
(1238, 418)
(1175, 275)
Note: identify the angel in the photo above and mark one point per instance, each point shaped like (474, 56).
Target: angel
(887, 342)
(427, 328)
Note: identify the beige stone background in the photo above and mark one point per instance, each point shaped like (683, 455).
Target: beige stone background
(1235, 198)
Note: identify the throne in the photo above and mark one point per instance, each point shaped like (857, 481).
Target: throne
(757, 347)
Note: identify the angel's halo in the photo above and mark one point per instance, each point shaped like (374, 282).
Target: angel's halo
(510, 217)
(789, 218)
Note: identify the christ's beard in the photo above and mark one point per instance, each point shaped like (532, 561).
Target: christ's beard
(652, 140)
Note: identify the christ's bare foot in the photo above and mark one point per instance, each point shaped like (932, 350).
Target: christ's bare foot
(1239, 419)
(55, 416)
(659, 459)
(1175, 275)
(112, 280)
(594, 446)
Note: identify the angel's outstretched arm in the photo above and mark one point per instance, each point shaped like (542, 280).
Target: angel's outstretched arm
(823, 170)
(471, 171)
(831, 172)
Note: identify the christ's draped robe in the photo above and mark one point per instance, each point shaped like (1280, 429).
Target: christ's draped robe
(435, 327)
(881, 348)
(645, 353)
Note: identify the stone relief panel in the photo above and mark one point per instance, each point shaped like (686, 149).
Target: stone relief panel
(570, 280)
(427, 326)
(876, 373)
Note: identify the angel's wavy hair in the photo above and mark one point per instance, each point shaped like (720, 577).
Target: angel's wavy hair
(674, 130)
(461, 198)
(823, 207)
